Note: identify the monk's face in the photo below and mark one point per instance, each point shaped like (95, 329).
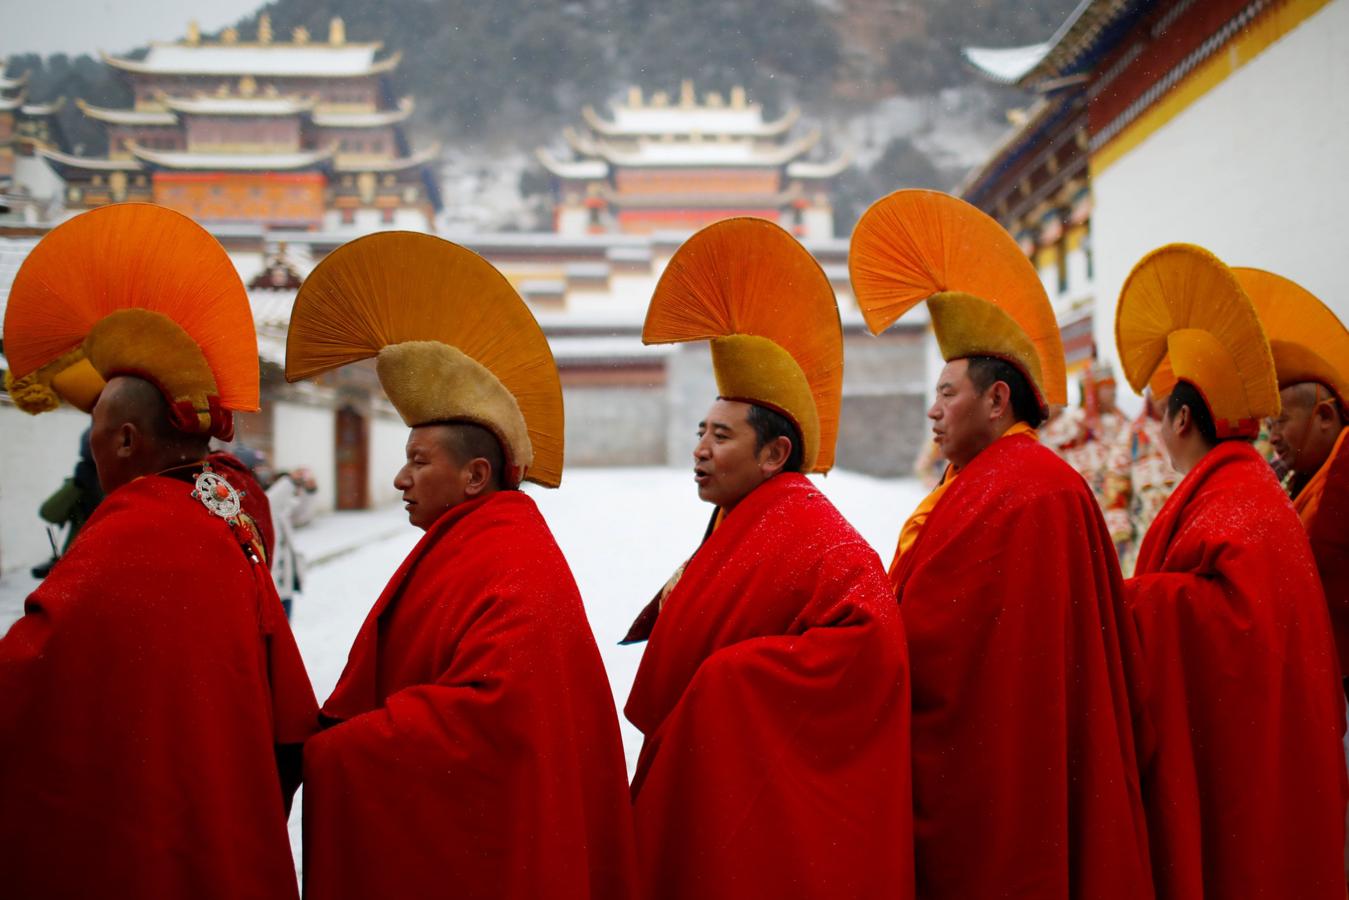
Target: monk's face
(727, 463)
(433, 480)
(963, 420)
(1303, 436)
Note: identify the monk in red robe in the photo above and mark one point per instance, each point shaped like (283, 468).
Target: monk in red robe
(1309, 438)
(152, 700)
(1244, 777)
(1243, 770)
(472, 747)
(1025, 782)
(1024, 773)
(1310, 346)
(773, 694)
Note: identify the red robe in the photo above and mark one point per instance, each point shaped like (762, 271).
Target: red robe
(1024, 775)
(774, 699)
(143, 696)
(1243, 772)
(1329, 534)
(477, 752)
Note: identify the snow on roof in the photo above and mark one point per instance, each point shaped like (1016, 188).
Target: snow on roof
(232, 161)
(325, 119)
(428, 154)
(240, 106)
(1007, 65)
(587, 270)
(259, 60)
(9, 84)
(579, 169)
(89, 162)
(605, 347)
(127, 116)
(658, 120)
(8, 103)
(828, 169)
(708, 153)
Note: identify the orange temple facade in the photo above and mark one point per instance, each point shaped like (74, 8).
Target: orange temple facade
(298, 135)
(677, 164)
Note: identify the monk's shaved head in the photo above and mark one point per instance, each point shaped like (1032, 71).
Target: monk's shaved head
(466, 441)
(1304, 395)
(1304, 433)
(133, 435)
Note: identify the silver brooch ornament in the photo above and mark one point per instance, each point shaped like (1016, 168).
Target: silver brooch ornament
(217, 495)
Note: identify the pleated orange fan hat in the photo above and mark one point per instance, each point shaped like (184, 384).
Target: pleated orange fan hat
(1307, 340)
(133, 289)
(452, 341)
(767, 307)
(983, 294)
(1183, 304)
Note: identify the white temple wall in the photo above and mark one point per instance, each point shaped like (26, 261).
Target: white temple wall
(37, 454)
(388, 436)
(306, 436)
(1253, 170)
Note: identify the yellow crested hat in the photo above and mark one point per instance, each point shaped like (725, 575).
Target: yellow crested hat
(452, 340)
(767, 307)
(1307, 340)
(983, 294)
(1183, 304)
(133, 289)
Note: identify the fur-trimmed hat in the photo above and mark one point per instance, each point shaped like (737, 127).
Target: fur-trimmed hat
(983, 294)
(767, 307)
(452, 340)
(1182, 305)
(133, 289)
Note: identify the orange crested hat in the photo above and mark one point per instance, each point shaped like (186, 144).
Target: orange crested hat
(1183, 304)
(452, 341)
(133, 289)
(1307, 340)
(767, 307)
(983, 294)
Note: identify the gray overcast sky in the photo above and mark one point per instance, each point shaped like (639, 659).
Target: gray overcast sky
(86, 26)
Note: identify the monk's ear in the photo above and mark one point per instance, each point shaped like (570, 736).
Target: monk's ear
(1181, 423)
(1326, 413)
(1000, 398)
(478, 477)
(129, 440)
(773, 455)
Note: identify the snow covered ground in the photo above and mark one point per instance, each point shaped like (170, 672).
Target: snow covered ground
(622, 530)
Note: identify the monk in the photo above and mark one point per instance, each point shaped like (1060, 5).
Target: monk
(773, 693)
(1310, 346)
(1023, 756)
(472, 747)
(472, 744)
(1025, 782)
(1243, 774)
(1244, 778)
(1309, 438)
(152, 700)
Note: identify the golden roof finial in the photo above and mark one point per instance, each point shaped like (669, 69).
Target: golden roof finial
(193, 33)
(337, 31)
(300, 35)
(687, 99)
(738, 99)
(264, 29)
(247, 86)
(229, 36)
(635, 97)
